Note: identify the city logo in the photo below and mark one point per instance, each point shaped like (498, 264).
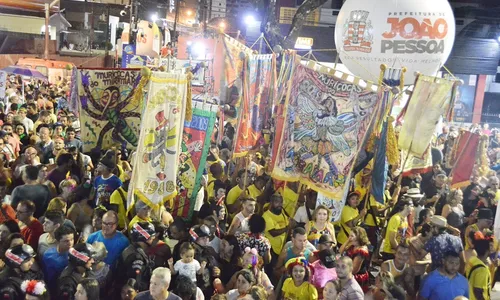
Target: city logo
(358, 32)
(129, 49)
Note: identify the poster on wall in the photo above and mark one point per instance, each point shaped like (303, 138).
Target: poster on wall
(464, 101)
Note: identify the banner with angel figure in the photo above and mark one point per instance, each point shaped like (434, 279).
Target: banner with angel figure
(327, 119)
(194, 146)
(110, 107)
(154, 176)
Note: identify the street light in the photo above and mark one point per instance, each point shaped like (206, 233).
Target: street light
(222, 25)
(249, 19)
(154, 18)
(189, 13)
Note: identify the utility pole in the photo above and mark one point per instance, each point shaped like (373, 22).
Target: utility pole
(47, 36)
(176, 19)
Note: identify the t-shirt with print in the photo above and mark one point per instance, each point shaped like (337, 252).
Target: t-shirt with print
(399, 225)
(305, 291)
(189, 269)
(480, 277)
(437, 246)
(250, 240)
(106, 187)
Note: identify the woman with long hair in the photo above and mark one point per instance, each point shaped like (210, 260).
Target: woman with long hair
(396, 230)
(471, 198)
(424, 217)
(453, 210)
(80, 212)
(350, 216)
(320, 225)
(357, 249)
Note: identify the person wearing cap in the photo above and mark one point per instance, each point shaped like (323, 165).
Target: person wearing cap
(18, 267)
(142, 213)
(107, 182)
(484, 221)
(442, 242)
(436, 193)
(81, 259)
(350, 217)
(323, 270)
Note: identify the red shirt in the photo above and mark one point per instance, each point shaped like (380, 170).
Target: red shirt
(32, 233)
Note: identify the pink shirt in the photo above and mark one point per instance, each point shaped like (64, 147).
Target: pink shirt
(322, 274)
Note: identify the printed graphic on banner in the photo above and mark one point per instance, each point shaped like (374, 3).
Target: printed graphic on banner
(154, 174)
(464, 101)
(194, 150)
(256, 96)
(327, 119)
(335, 206)
(109, 111)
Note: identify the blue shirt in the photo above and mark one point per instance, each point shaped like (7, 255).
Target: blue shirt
(114, 245)
(437, 246)
(106, 187)
(439, 287)
(54, 263)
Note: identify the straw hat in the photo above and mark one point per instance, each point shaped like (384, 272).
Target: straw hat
(439, 221)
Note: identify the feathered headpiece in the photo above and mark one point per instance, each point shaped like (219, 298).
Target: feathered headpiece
(33, 287)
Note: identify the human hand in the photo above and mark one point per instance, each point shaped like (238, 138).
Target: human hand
(363, 212)
(203, 264)
(171, 262)
(216, 272)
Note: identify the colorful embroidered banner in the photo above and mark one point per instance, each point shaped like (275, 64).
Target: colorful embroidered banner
(154, 175)
(110, 110)
(195, 145)
(428, 103)
(258, 78)
(414, 165)
(327, 119)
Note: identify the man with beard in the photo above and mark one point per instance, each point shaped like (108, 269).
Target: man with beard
(351, 290)
(240, 221)
(277, 226)
(298, 249)
(445, 283)
(442, 242)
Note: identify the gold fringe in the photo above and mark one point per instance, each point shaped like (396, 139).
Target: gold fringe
(392, 144)
(189, 100)
(138, 97)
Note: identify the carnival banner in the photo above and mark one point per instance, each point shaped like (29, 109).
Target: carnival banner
(464, 159)
(429, 101)
(154, 175)
(194, 150)
(258, 78)
(326, 121)
(414, 164)
(110, 107)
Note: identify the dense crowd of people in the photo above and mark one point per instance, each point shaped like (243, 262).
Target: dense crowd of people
(66, 231)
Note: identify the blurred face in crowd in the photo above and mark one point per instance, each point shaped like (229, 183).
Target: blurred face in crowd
(58, 131)
(23, 214)
(4, 233)
(49, 226)
(300, 241)
(64, 120)
(30, 155)
(249, 206)
(344, 269)
(42, 175)
(451, 265)
(226, 250)
(58, 144)
(321, 216)
(97, 223)
(109, 224)
(353, 200)
(402, 255)
(330, 291)
(26, 266)
(298, 274)
(276, 205)
(128, 293)
(20, 130)
(45, 134)
(8, 129)
(243, 285)
(70, 135)
(66, 243)
(157, 287)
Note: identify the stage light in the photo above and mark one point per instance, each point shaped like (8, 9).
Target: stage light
(249, 19)
(154, 18)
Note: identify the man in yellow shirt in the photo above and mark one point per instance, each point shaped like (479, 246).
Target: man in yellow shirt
(277, 225)
(118, 202)
(143, 214)
(479, 276)
(236, 193)
(350, 217)
(397, 227)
